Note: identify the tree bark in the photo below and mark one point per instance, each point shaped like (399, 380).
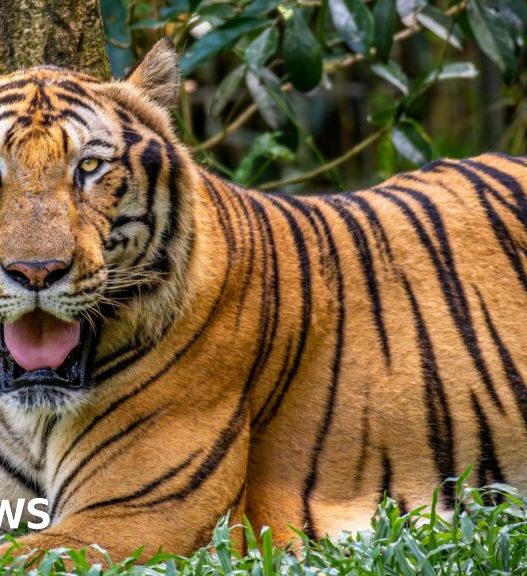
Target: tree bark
(65, 33)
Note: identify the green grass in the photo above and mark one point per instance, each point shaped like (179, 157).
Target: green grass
(486, 536)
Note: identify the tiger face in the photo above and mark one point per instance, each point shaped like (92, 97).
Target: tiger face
(89, 206)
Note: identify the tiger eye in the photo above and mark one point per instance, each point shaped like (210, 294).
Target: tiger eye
(89, 164)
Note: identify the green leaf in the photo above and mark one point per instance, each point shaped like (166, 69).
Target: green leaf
(320, 24)
(226, 90)
(391, 71)
(174, 10)
(451, 71)
(408, 10)
(250, 538)
(302, 54)
(267, 106)
(493, 35)
(217, 40)
(467, 528)
(383, 117)
(261, 48)
(516, 11)
(260, 7)
(267, 539)
(385, 17)
(441, 25)
(217, 12)
(354, 22)
(410, 143)
(265, 145)
(221, 538)
(148, 23)
(116, 29)
(386, 157)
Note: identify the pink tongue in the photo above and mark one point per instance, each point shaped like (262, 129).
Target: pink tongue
(39, 340)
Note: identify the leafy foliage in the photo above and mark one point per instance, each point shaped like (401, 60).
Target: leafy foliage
(487, 535)
(271, 67)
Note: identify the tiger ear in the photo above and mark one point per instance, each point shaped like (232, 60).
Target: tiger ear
(157, 74)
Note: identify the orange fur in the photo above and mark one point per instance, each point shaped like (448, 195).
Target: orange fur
(290, 358)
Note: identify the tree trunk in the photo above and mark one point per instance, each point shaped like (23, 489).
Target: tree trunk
(65, 33)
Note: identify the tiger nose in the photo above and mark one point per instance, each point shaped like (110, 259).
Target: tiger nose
(38, 274)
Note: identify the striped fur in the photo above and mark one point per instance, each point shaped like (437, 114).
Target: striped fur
(291, 358)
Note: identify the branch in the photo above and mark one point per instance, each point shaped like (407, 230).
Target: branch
(357, 149)
(232, 127)
(329, 68)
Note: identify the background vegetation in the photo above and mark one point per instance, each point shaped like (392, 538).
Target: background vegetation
(318, 95)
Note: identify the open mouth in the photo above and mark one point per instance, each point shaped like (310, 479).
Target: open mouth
(41, 350)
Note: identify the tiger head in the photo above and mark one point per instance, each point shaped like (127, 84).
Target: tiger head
(93, 214)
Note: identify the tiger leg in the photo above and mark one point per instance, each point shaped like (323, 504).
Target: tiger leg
(164, 484)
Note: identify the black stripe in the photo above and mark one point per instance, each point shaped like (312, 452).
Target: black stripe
(120, 104)
(440, 425)
(381, 238)
(224, 216)
(236, 197)
(99, 142)
(288, 373)
(203, 535)
(11, 98)
(324, 427)
(87, 458)
(516, 382)
(174, 163)
(488, 468)
(169, 474)
(161, 261)
(252, 246)
(74, 101)
(49, 426)
(40, 101)
(264, 344)
(387, 476)
(364, 439)
(123, 220)
(65, 140)
(520, 161)
(151, 162)
(70, 114)
(277, 389)
(124, 116)
(95, 471)
(72, 86)
(519, 209)
(501, 232)
(122, 189)
(366, 260)
(29, 483)
(14, 84)
(434, 167)
(224, 441)
(447, 275)
(7, 114)
(270, 297)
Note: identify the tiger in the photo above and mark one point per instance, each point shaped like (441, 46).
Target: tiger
(176, 348)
